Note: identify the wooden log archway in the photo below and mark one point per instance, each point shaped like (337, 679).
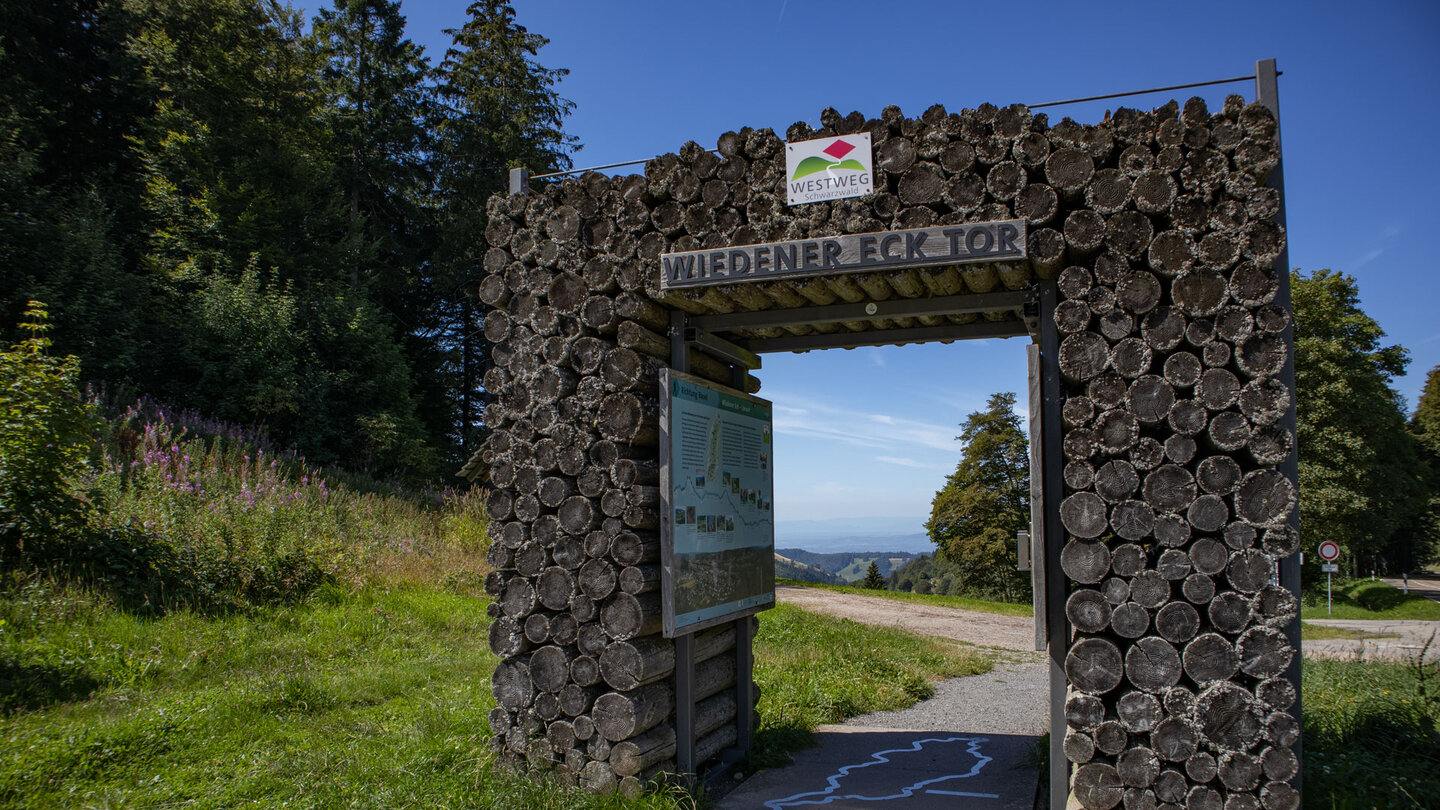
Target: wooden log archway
(1156, 289)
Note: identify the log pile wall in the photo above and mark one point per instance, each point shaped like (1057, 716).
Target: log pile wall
(1157, 229)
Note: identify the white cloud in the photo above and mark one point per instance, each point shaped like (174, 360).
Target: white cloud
(859, 428)
(908, 462)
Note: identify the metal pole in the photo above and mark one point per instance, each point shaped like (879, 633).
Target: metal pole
(1058, 629)
(1328, 610)
(1267, 92)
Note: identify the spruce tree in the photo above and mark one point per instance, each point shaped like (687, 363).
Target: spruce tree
(501, 110)
(873, 580)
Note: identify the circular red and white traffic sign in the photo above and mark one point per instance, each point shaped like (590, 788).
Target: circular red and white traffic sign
(1329, 551)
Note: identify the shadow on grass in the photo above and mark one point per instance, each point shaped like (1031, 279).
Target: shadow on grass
(145, 576)
(25, 687)
(771, 746)
(1382, 598)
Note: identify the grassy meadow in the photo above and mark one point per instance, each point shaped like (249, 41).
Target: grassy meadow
(1364, 599)
(1371, 734)
(238, 628)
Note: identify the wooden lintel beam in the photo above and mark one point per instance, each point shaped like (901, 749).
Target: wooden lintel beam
(886, 337)
(866, 310)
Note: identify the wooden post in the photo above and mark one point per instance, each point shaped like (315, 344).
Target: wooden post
(1267, 92)
(1057, 630)
(1039, 562)
(684, 645)
(744, 653)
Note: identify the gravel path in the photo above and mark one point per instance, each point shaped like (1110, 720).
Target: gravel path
(1405, 640)
(1013, 698)
(985, 629)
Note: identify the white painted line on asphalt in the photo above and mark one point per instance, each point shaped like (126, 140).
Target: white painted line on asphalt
(816, 798)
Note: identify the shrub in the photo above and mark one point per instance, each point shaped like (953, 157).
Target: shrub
(45, 429)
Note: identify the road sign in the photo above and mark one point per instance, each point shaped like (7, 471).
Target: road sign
(1330, 568)
(1329, 551)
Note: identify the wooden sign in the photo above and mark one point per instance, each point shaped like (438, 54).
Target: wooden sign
(847, 253)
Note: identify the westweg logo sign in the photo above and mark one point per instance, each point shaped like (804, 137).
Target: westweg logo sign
(829, 168)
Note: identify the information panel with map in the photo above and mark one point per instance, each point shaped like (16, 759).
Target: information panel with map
(717, 483)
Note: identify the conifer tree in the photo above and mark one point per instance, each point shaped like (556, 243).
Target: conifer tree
(501, 110)
(873, 580)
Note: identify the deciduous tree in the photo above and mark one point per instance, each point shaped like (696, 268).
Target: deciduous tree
(974, 518)
(1361, 482)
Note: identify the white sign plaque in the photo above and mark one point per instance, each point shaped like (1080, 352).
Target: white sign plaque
(829, 168)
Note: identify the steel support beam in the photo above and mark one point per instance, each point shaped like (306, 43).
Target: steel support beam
(1267, 92)
(1057, 627)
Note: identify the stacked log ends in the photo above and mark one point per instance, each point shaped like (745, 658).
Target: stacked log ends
(1174, 506)
(1157, 226)
(585, 685)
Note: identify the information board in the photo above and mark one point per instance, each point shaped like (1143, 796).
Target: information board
(717, 483)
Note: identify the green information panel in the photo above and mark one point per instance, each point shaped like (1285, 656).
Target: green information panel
(717, 485)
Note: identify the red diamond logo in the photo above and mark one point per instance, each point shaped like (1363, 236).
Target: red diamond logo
(839, 149)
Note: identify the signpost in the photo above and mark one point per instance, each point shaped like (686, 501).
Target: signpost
(1329, 552)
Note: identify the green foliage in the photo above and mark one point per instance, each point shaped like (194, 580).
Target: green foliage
(873, 580)
(1371, 734)
(44, 439)
(231, 523)
(1425, 422)
(1361, 481)
(273, 200)
(815, 669)
(1363, 599)
(974, 517)
(501, 109)
(1425, 427)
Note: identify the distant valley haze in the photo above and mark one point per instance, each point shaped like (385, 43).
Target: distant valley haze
(876, 534)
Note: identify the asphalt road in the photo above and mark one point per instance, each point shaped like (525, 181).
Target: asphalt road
(967, 746)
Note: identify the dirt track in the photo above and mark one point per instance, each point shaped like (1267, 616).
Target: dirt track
(989, 629)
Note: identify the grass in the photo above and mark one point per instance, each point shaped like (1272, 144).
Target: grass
(368, 697)
(814, 669)
(1363, 599)
(1002, 608)
(1318, 632)
(1372, 734)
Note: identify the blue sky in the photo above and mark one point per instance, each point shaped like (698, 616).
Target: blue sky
(871, 431)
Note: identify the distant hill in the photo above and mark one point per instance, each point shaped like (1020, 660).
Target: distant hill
(854, 535)
(789, 568)
(848, 566)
